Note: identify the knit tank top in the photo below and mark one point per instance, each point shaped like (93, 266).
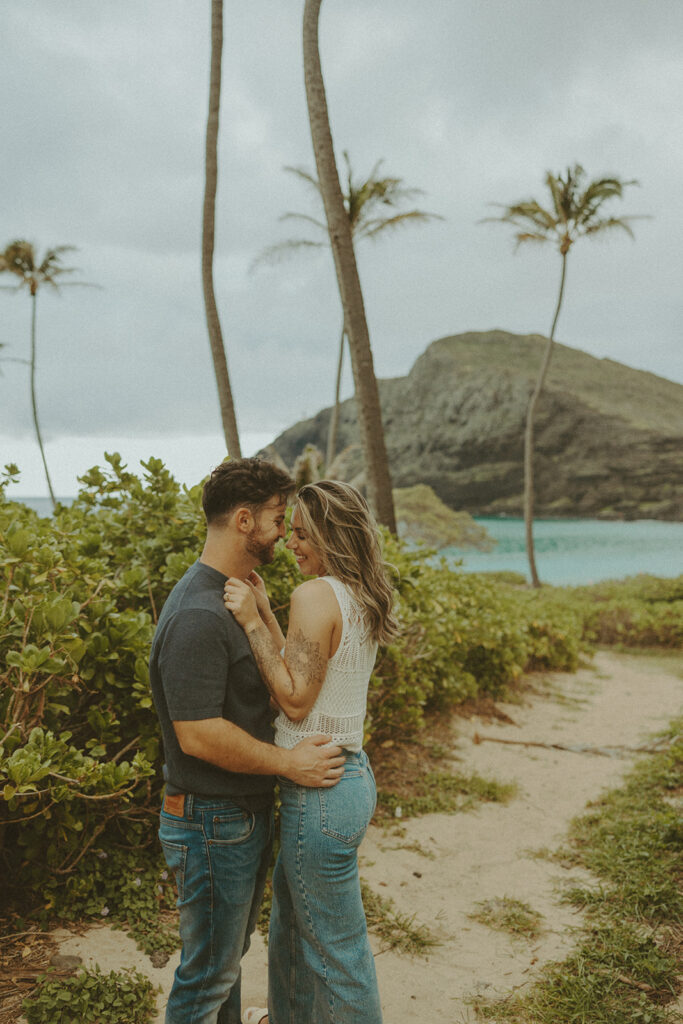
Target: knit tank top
(339, 710)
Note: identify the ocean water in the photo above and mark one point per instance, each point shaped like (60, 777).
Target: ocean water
(568, 551)
(579, 551)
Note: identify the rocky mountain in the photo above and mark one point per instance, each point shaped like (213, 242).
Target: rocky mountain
(609, 439)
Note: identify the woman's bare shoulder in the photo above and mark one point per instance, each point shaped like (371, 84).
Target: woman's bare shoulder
(313, 590)
(316, 597)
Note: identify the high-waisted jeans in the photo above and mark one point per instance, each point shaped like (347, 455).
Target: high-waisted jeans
(321, 967)
(220, 856)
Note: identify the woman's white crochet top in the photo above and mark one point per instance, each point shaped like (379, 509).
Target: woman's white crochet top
(339, 710)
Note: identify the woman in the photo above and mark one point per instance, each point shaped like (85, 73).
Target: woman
(321, 967)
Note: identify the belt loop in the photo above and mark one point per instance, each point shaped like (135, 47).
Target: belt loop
(189, 804)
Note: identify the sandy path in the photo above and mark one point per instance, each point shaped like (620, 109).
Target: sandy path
(485, 853)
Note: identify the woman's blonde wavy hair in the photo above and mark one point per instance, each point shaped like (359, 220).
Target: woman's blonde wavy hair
(340, 526)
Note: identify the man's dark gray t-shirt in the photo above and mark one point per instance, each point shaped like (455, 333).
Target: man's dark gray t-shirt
(201, 666)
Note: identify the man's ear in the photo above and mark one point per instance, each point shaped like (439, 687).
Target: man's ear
(244, 520)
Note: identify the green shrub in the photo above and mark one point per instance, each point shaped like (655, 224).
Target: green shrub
(641, 611)
(80, 592)
(91, 997)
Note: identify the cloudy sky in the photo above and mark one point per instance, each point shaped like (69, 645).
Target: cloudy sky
(103, 122)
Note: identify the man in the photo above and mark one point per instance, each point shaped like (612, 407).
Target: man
(220, 761)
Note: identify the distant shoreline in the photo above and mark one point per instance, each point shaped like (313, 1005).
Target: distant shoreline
(41, 503)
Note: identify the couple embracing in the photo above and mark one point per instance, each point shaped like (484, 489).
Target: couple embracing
(219, 666)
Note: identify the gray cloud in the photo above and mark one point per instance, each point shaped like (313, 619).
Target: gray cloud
(105, 108)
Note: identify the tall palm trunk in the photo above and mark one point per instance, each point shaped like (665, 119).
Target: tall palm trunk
(529, 437)
(34, 404)
(367, 393)
(220, 363)
(334, 415)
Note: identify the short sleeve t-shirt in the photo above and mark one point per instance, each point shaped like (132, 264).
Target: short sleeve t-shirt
(201, 666)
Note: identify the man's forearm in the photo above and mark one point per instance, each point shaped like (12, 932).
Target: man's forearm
(314, 761)
(224, 744)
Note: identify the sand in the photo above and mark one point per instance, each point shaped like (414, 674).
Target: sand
(489, 852)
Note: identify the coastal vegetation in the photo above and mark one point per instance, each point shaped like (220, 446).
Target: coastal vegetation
(575, 211)
(79, 596)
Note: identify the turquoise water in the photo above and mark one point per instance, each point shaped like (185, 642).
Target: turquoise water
(567, 550)
(580, 550)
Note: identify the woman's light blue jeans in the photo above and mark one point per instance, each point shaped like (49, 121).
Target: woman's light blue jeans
(321, 968)
(220, 856)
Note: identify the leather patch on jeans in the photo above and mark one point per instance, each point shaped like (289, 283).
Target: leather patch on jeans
(175, 804)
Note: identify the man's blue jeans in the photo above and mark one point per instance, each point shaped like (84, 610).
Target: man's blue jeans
(219, 854)
(320, 966)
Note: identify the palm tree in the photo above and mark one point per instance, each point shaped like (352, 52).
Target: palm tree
(339, 228)
(372, 208)
(575, 211)
(220, 363)
(20, 259)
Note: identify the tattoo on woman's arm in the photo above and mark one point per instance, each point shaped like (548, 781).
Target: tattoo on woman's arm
(305, 659)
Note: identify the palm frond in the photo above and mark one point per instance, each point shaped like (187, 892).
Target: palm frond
(530, 236)
(306, 218)
(60, 285)
(19, 258)
(576, 210)
(555, 188)
(529, 212)
(276, 253)
(51, 263)
(364, 202)
(609, 223)
(304, 175)
(376, 226)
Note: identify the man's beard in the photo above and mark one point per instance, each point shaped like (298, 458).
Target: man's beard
(259, 549)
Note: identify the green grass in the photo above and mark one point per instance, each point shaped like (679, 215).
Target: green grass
(626, 967)
(397, 931)
(632, 839)
(508, 915)
(598, 984)
(440, 792)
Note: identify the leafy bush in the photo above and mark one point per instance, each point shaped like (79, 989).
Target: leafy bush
(91, 997)
(80, 754)
(642, 611)
(80, 593)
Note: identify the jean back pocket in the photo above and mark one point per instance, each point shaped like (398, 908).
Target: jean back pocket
(347, 808)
